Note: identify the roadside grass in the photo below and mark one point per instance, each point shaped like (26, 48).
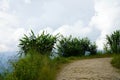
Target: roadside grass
(116, 61)
(90, 57)
(36, 67)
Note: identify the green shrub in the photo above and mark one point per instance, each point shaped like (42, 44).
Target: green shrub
(69, 46)
(113, 42)
(116, 61)
(43, 43)
(1, 77)
(93, 48)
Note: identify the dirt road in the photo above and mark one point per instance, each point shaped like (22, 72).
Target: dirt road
(90, 69)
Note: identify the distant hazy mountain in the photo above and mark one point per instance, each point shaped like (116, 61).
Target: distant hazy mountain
(4, 57)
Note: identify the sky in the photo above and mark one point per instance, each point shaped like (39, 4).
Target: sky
(81, 18)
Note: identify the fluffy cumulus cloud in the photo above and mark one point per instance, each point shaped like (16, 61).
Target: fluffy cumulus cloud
(9, 28)
(80, 18)
(4, 5)
(59, 12)
(106, 18)
(28, 1)
(77, 29)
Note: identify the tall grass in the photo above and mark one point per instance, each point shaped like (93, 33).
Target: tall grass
(116, 61)
(35, 67)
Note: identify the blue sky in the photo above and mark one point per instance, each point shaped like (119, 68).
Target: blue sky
(81, 18)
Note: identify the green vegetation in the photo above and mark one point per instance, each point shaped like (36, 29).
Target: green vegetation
(1, 77)
(113, 42)
(75, 47)
(42, 44)
(113, 46)
(36, 62)
(33, 67)
(116, 61)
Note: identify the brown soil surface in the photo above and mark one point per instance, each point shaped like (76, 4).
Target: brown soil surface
(90, 69)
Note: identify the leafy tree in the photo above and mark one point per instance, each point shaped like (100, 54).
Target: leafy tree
(85, 42)
(113, 42)
(69, 46)
(43, 43)
(93, 48)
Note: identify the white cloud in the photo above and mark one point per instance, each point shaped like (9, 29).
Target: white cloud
(4, 5)
(106, 18)
(59, 12)
(18, 33)
(9, 28)
(77, 29)
(28, 1)
(10, 38)
(4, 48)
(47, 29)
(7, 19)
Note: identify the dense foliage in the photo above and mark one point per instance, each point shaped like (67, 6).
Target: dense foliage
(43, 43)
(113, 42)
(69, 46)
